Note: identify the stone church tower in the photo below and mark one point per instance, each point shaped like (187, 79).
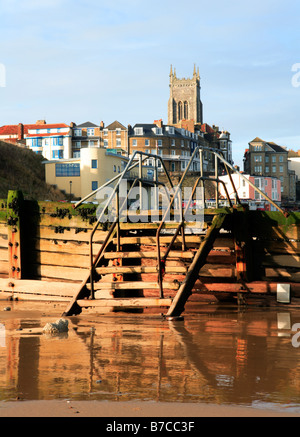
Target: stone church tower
(184, 102)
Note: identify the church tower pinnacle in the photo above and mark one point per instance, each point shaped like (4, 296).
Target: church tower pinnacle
(184, 101)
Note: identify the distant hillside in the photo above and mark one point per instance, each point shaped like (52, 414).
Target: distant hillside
(22, 169)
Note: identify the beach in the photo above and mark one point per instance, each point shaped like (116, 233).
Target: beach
(108, 409)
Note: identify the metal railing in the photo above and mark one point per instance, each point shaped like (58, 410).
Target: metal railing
(141, 157)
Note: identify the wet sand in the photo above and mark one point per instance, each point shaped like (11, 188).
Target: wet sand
(117, 409)
(63, 408)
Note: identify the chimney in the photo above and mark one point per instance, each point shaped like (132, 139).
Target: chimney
(20, 131)
(41, 122)
(101, 125)
(158, 123)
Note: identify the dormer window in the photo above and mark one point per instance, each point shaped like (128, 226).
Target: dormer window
(138, 131)
(158, 130)
(170, 129)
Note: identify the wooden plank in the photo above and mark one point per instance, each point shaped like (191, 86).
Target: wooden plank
(62, 272)
(279, 246)
(4, 267)
(148, 254)
(138, 269)
(33, 297)
(255, 287)
(125, 302)
(277, 232)
(65, 246)
(68, 234)
(282, 273)
(195, 239)
(3, 254)
(155, 225)
(281, 260)
(132, 285)
(61, 259)
(39, 288)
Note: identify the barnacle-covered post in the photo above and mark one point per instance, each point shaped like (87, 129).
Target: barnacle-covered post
(14, 211)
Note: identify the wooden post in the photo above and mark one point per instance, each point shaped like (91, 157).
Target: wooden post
(14, 212)
(243, 246)
(199, 260)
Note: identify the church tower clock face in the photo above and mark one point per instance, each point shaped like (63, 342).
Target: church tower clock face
(184, 102)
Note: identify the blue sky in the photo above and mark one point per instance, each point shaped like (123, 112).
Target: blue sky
(93, 60)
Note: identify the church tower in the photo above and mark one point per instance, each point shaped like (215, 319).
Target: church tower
(184, 102)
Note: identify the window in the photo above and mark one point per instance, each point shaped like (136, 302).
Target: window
(67, 170)
(138, 131)
(118, 131)
(76, 154)
(173, 142)
(94, 163)
(146, 142)
(257, 158)
(281, 168)
(119, 142)
(94, 185)
(77, 132)
(115, 169)
(134, 143)
(273, 168)
(273, 158)
(119, 170)
(36, 142)
(180, 111)
(267, 169)
(267, 158)
(173, 152)
(170, 129)
(182, 143)
(258, 169)
(159, 143)
(90, 132)
(57, 141)
(78, 144)
(186, 110)
(105, 132)
(105, 143)
(57, 154)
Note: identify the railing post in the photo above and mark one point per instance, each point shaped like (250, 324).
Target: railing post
(217, 184)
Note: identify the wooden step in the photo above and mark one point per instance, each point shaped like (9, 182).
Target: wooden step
(148, 254)
(132, 285)
(171, 225)
(196, 239)
(138, 269)
(127, 302)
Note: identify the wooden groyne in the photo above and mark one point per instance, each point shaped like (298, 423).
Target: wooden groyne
(240, 254)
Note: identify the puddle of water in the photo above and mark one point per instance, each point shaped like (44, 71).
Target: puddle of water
(216, 355)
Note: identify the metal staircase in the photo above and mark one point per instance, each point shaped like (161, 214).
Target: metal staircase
(151, 263)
